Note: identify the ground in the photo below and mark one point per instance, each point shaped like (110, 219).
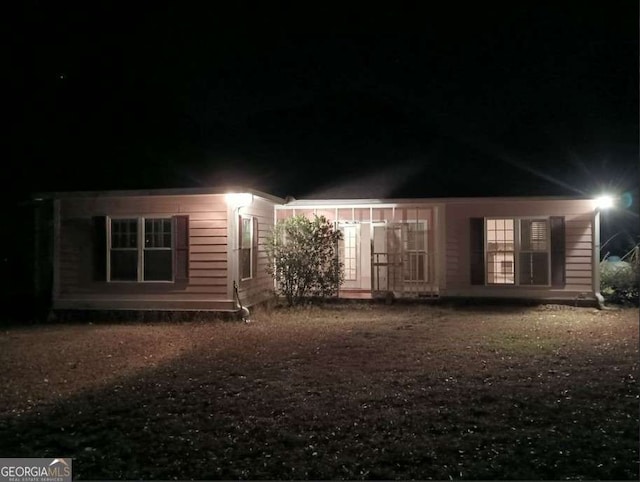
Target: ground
(345, 392)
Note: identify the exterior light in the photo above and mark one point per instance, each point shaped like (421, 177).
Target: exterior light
(604, 202)
(238, 199)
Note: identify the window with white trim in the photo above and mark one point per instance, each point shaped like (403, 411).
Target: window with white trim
(534, 252)
(415, 251)
(140, 249)
(248, 246)
(500, 251)
(517, 251)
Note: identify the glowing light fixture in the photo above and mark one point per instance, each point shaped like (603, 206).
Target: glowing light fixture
(238, 199)
(604, 202)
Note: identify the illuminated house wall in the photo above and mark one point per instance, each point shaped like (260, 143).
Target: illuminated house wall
(185, 249)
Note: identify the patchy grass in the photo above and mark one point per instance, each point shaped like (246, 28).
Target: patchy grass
(347, 392)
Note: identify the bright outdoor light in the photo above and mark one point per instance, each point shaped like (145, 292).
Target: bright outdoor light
(604, 202)
(238, 199)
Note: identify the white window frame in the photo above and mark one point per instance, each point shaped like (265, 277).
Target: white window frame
(517, 250)
(251, 248)
(140, 248)
(512, 252)
(417, 252)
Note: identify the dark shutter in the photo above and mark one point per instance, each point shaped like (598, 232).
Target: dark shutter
(476, 255)
(99, 245)
(558, 272)
(254, 251)
(182, 248)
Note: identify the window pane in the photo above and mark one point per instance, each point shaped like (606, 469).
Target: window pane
(246, 233)
(124, 265)
(534, 268)
(157, 233)
(500, 268)
(157, 265)
(499, 235)
(148, 233)
(124, 233)
(534, 235)
(245, 263)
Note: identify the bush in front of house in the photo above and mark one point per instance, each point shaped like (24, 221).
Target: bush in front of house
(619, 280)
(303, 258)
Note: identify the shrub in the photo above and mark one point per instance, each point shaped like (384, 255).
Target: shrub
(303, 258)
(619, 280)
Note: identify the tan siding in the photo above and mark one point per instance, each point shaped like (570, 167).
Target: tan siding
(208, 223)
(575, 252)
(578, 243)
(208, 246)
(208, 216)
(208, 256)
(220, 290)
(208, 281)
(215, 232)
(261, 285)
(208, 240)
(217, 265)
(194, 302)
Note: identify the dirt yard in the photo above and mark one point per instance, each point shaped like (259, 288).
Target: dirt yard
(347, 392)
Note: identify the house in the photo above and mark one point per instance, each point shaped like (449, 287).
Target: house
(187, 249)
(173, 250)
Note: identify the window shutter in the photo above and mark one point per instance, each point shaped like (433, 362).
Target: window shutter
(254, 251)
(182, 248)
(99, 242)
(476, 255)
(558, 272)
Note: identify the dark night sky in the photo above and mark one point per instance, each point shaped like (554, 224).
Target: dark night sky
(326, 100)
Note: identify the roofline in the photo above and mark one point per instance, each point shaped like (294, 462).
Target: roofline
(290, 202)
(453, 200)
(193, 191)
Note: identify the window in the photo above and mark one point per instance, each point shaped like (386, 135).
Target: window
(531, 251)
(133, 260)
(158, 259)
(415, 253)
(534, 252)
(350, 250)
(248, 246)
(124, 250)
(500, 251)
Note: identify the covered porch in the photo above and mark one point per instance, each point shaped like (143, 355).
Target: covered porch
(389, 249)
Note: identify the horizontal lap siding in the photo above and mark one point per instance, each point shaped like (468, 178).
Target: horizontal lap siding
(260, 286)
(579, 244)
(207, 253)
(578, 216)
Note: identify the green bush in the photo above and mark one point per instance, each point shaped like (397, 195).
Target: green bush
(619, 281)
(303, 258)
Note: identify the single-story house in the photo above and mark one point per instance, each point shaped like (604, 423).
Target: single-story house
(187, 249)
